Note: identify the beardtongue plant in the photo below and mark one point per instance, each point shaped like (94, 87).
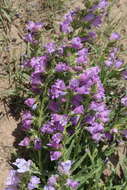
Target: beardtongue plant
(75, 105)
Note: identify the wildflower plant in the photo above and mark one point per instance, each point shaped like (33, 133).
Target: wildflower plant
(75, 116)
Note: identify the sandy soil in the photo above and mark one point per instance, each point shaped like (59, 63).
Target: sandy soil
(32, 10)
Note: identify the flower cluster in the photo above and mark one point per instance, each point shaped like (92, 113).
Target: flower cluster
(64, 169)
(32, 28)
(67, 100)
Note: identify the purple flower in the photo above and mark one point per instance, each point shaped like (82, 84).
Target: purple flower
(37, 144)
(73, 184)
(30, 102)
(97, 21)
(103, 4)
(49, 187)
(30, 38)
(55, 140)
(78, 110)
(108, 62)
(25, 142)
(54, 106)
(55, 155)
(34, 181)
(13, 178)
(26, 115)
(92, 35)
(47, 128)
(115, 36)
(97, 106)
(83, 52)
(58, 89)
(58, 118)
(124, 101)
(50, 47)
(90, 119)
(35, 79)
(74, 120)
(83, 90)
(65, 27)
(89, 17)
(124, 75)
(103, 116)
(26, 124)
(69, 16)
(52, 181)
(57, 137)
(97, 137)
(114, 130)
(23, 165)
(95, 128)
(76, 100)
(60, 67)
(124, 133)
(77, 68)
(76, 43)
(108, 136)
(73, 84)
(64, 167)
(118, 63)
(82, 60)
(34, 26)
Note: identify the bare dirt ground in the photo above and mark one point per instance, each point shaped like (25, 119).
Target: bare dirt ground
(32, 10)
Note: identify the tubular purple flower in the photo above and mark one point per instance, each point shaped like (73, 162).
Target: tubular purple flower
(78, 110)
(65, 27)
(76, 100)
(71, 183)
(74, 83)
(64, 167)
(83, 52)
(54, 106)
(124, 101)
(58, 89)
(97, 137)
(49, 187)
(103, 4)
(13, 178)
(82, 60)
(34, 181)
(25, 142)
(55, 155)
(108, 62)
(50, 47)
(30, 102)
(30, 38)
(124, 74)
(34, 26)
(95, 128)
(92, 35)
(52, 181)
(47, 128)
(114, 131)
(60, 67)
(37, 144)
(115, 36)
(89, 17)
(76, 43)
(118, 63)
(22, 164)
(27, 115)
